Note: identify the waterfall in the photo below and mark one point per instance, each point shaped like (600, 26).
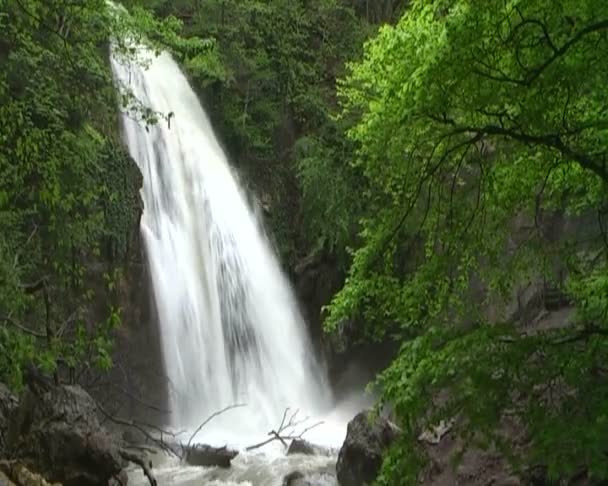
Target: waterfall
(230, 326)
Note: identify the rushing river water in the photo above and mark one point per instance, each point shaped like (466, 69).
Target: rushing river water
(266, 466)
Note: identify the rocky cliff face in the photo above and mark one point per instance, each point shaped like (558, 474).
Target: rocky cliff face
(8, 403)
(367, 439)
(135, 386)
(140, 381)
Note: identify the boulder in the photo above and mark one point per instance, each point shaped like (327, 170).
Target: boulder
(205, 455)
(5, 480)
(295, 478)
(360, 457)
(301, 446)
(56, 432)
(8, 403)
(12, 473)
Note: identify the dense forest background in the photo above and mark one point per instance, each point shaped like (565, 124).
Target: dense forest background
(447, 156)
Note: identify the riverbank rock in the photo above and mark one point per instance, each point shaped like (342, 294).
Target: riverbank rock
(360, 458)
(205, 455)
(8, 403)
(13, 473)
(295, 478)
(56, 432)
(301, 446)
(5, 480)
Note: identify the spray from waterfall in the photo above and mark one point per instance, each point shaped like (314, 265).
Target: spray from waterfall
(230, 327)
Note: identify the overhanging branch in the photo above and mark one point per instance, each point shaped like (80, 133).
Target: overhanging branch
(533, 74)
(553, 141)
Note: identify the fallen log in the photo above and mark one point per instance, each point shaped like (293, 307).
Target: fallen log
(205, 455)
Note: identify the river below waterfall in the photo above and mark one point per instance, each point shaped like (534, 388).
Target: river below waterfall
(262, 468)
(268, 465)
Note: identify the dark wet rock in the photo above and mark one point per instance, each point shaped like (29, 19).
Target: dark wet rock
(133, 436)
(8, 403)
(295, 478)
(301, 446)
(205, 455)
(122, 479)
(13, 473)
(360, 458)
(317, 277)
(5, 480)
(57, 433)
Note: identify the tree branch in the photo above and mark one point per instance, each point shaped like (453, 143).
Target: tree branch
(553, 141)
(584, 334)
(534, 73)
(536, 22)
(210, 418)
(14, 323)
(283, 433)
(128, 423)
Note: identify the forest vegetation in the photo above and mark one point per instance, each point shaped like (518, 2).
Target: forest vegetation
(450, 155)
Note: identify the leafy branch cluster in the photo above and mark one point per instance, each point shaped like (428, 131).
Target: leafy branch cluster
(481, 133)
(69, 203)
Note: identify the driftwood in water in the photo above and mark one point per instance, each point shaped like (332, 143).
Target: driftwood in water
(205, 455)
(286, 430)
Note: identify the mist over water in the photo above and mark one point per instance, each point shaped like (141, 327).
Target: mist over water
(230, 326)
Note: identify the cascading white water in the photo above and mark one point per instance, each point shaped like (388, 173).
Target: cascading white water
(230, 327)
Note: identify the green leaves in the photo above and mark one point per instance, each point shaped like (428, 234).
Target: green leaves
(476, 129)
(68, 193)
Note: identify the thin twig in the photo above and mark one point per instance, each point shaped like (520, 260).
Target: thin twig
(140, 428)
(22, 328)
(281, 435)
(210, 418)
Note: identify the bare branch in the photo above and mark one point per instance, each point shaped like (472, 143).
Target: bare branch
(132, 424)
(137, 399)
(550, 140)
(286, 430)
(22, 328)
(27, 242)
(535, 73)
(210, 418)
(538, 23)
(307, 429)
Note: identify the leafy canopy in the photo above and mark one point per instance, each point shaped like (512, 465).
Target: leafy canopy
(481, 131)
(68, 191)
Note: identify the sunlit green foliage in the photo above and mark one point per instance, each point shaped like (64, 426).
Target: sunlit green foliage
(478, 125)
(68, 191)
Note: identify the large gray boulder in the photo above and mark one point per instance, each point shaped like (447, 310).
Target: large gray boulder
(360, 458)
(301, 446)
(56, 432)
(8, 403)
